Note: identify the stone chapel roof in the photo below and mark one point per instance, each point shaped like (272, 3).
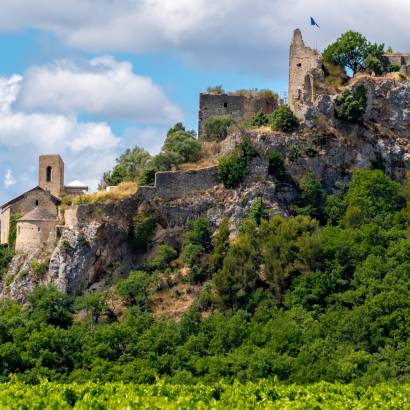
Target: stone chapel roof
(53, 197)
(38, 214)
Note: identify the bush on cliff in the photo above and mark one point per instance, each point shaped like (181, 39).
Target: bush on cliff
(351, 106)
(134, 289)
(277, 165)
(216, 127)
(260, 119)
(233, 167)
(283, 119)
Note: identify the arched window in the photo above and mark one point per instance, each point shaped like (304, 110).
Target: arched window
(49, 174)
(36, 202)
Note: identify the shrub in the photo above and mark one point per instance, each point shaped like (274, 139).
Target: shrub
(260, 119)
(166, 254)
(6, 255)
(294, 152)
(310, 151)
(282, 119)
(142, 231)
(277, 164)
(233, 167)
(216, 90)
(352, 106)
(134, 289)
(216, 127)
(394, 68)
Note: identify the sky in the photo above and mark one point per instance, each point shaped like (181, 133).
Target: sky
(89, 78)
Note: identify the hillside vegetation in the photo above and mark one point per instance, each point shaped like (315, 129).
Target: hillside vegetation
(297, 299)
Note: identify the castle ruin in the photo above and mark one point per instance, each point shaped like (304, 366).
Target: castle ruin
(304, 64)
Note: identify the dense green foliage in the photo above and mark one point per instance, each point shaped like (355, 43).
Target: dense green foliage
(216, 127)
(292, 298)
(283, 119)
(352, 105)
(351, 50)
(142, 231)
(129, 166)
(138, 165)
(262, 395)
(260, 119)
(6, 254)
(233, 167)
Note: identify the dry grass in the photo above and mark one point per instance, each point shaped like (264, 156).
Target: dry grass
(122, 191)
(209, 156)
(174, 302)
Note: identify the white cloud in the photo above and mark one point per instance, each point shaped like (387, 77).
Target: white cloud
(248, 35)
(102, 86)
(88, 148)
(9, 179)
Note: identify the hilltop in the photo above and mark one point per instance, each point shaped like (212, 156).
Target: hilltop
(274, 244)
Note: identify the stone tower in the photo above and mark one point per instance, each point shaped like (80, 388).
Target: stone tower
(51, 174)
(302, 63)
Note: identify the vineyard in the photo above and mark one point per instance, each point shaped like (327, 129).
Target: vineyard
(261, 395)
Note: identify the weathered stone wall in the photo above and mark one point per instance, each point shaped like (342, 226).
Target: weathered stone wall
(28, 201)
(5, 225)
(402, 59)
(31, 235)
(302, 60)
(56, 183)
(241, 108)
(180, 184)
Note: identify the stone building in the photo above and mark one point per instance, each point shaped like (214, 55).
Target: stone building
(400, 59)
(240, 107)
(37, 209)
(304, 65)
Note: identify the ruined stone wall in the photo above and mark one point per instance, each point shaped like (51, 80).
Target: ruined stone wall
(401, 59)
(241, 108)
(180, 184)
(302, 60)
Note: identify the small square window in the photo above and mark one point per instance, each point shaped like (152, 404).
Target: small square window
(225, 104)
(299, 65)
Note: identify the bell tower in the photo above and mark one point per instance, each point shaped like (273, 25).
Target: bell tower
(51, 174)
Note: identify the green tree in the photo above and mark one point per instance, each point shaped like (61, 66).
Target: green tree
(372, 196)
(184, 145)
(283, 119)
(311, 197)
(351, 50)
(237, 279)
(220, 245)
(289, 248)
(134, 289)
(49, 305)
(95, 304)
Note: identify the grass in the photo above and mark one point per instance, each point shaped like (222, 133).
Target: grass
(122, 191)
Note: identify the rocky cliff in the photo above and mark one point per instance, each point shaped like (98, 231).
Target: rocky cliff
(94, 247)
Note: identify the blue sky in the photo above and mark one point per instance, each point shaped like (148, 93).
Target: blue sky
(89, 78)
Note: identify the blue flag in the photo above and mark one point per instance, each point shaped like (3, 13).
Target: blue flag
(313, 22)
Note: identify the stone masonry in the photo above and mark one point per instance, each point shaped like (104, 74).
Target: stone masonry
(241, 108)
(302, 63)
